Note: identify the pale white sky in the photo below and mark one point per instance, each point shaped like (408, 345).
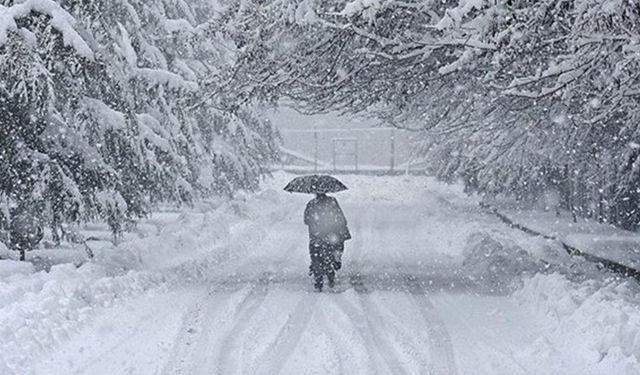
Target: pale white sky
(287, 118)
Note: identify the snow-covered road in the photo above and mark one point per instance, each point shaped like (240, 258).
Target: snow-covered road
(403, 303)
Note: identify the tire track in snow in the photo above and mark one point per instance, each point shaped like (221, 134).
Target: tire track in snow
(232, 339)
(189, 355)
(490, 344)
(147, 322)
(194, 351)
(368, 322)
(362, 326)
(333, 332)
(277, 355)
(371, 327)
(440, 345)
(183, 350)
(416, 358)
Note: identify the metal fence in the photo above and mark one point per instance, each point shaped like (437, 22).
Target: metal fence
(356, 149)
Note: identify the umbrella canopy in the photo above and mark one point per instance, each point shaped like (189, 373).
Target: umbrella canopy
(315, 184)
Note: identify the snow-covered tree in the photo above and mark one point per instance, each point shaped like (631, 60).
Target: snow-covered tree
(109, 106)
(515, 96)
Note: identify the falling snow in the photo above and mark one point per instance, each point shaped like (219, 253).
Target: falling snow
(481, 218)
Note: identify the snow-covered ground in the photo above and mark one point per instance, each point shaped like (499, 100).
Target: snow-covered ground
(588, 235)
(430, 284)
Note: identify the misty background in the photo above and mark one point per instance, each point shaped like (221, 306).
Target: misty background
(378, 147)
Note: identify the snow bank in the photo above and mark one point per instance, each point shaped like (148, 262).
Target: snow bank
(5, 253)
(588, 235)
(193, 234)
(495, 262)
(38, 311)
(13, 267)
(602, 317)
(41, 310)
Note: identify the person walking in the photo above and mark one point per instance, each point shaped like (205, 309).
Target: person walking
(328, 231)
(328, 228)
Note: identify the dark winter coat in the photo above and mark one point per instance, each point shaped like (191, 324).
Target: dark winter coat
(326, 221)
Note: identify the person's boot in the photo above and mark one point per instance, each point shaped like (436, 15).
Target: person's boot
(331, 277)
(318, 283)
(337, 260)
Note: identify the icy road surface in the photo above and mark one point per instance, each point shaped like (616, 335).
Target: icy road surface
(402, 304)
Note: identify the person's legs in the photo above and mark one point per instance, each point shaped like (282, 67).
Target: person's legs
(318, 282)
(331, 278)
(336, 255)
(329, 263)
(316, 267)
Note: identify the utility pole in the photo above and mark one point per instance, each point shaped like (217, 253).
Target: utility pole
(315, 141)
(356, 156)
(393, 149)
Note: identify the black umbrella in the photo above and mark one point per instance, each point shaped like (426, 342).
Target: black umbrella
(315, 184)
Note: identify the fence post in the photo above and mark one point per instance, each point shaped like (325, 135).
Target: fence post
(333, 157)
(315, 140)
(393, 149)
(357, 151)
